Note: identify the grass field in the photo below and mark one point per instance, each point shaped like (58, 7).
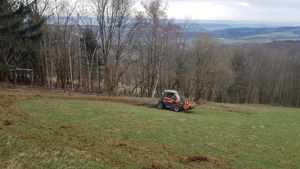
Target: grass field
(54, 130)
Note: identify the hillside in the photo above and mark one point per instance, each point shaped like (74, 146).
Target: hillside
(237, 32)
(232, 32)
(280, 33)
(54, 129)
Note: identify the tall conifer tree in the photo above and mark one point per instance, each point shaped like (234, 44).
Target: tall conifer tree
(19, 36)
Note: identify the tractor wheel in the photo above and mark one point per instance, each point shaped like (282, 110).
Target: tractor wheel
(177, 108)
(160, 105)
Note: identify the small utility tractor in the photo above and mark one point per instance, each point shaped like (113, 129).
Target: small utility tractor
(172, 101)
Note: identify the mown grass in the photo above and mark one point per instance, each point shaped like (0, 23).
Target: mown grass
(57, 133)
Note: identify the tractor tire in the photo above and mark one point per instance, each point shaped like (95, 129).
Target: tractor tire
(160, 105)
(177, 108)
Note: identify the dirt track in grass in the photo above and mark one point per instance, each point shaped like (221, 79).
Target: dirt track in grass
(21, 94)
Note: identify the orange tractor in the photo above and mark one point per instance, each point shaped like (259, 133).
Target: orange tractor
(172, 100)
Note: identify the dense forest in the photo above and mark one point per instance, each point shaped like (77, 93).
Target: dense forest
(52, 43)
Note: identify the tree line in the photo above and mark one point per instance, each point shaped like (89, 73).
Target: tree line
(121, 50)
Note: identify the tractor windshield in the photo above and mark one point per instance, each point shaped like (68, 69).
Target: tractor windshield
(166, 95)
(172, 95)
(177, 95)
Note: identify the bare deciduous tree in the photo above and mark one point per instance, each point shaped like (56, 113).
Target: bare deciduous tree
(152, 42)
(116, 32)
(61, 31)
(202, 60)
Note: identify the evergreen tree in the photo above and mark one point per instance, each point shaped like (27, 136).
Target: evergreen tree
(19, 36)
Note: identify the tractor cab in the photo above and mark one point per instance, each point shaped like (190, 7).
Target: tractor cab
(170, 97)
(172, 100)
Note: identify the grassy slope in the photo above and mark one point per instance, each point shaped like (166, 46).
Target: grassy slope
(60, 133)
(261, 38)
(274, 35)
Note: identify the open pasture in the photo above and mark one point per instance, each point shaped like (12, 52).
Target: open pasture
(42, 129)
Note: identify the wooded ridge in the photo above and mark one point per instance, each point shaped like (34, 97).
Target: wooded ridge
(277, 33)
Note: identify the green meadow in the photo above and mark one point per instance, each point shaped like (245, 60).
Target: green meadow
(44, 132)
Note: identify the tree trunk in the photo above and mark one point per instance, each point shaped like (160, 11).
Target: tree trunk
(98, 72)
(46, 61)
(15, 71)
(157, 76)
(71, 70)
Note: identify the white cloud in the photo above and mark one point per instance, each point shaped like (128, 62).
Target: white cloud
(236, 10)
(243, 4)
(196, 10)
(263, 10)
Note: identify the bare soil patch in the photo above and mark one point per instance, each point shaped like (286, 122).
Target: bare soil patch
(7, 122)
(156, 166)
(9, 94)
(190, 159)
(223, 108)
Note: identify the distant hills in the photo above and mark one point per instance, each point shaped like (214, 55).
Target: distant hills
(280, 33)
(212, 25)
(236, 32)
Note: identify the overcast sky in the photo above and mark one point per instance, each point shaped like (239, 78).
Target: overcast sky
(258, 10)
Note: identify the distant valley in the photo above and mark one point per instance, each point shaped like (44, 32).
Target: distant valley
(237, 32)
